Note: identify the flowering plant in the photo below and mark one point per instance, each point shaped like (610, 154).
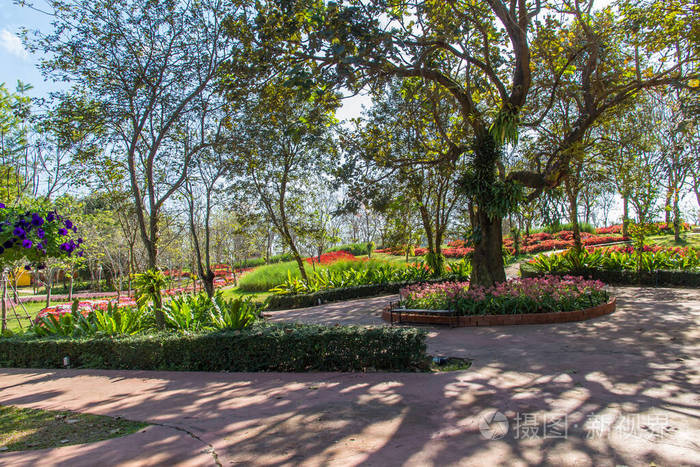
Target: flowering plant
(35, 235)
(332, 257)
(533, 295)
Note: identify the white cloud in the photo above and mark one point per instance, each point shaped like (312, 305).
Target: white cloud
(10, 43)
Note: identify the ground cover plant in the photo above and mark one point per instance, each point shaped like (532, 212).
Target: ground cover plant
(23, 429)
(619, 258)
(182, 314)
(532, 295)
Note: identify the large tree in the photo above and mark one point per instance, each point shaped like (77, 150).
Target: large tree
(485, 54)
(283, 144)
(142, 65)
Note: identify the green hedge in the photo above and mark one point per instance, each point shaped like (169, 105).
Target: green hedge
(283, 302)
(279, 347)
(626, 277)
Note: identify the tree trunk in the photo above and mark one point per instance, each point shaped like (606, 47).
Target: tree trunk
(487, 261)
(625, 215)
(70, 290)
(4, 301)
(572, 194)
(676, 217)
(49, 286)
(667, 205)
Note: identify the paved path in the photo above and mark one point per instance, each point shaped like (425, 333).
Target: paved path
(626, 384)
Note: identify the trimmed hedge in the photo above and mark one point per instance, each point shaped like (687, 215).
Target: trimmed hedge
(283, 302)
(270, 347)
(626, 277)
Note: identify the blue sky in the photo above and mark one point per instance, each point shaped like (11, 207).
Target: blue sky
(15, 62)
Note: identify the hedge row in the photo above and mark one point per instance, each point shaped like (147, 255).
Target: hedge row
(284, 302)
(280, 347)
(626, 277)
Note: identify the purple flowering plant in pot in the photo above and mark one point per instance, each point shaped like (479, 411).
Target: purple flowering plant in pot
(36, 234)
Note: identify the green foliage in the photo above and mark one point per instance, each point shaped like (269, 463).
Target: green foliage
(266, 277)
(357, 249)
(183, 314)
(148, 286)
(611, 259)
(233, 314)
(365, 273)
(284, 347)
(558, 227)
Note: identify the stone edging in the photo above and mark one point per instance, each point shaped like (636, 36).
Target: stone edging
(504, 320)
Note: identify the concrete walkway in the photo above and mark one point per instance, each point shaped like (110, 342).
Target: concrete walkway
(618, 390)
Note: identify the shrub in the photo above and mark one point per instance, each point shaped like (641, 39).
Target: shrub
(531, 295)
(361, 273)
(283, 347)
(184, 314)
(619, 258)
(356, 249)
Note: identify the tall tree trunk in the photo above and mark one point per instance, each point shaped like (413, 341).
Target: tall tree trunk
(667, 206)
(487, 260)
(4, 301)
(625, 215)
(572, 194)
(676, 216)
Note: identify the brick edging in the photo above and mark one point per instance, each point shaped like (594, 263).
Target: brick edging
(505, 320)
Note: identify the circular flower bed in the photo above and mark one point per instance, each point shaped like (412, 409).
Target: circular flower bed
(533, 295)
(549, 299)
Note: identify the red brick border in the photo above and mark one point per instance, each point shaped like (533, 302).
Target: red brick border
(504, 320)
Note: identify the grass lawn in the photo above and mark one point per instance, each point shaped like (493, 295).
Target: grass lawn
(32, 308)
(235, 292)
(688, 239)
(23, 429)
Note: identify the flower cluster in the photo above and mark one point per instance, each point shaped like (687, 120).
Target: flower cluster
(532, 295)
(664, 227)
(332, 257)
(84, 307)
(35, 235)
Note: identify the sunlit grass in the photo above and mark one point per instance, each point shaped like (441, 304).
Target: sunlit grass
(23, 429)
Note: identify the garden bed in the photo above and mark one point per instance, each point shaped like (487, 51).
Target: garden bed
(430, 318)
(284, 302)
(658, 278)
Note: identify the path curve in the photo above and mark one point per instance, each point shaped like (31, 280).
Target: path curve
(625, 385)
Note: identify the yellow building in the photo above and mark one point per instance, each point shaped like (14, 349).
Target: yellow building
(23, 277)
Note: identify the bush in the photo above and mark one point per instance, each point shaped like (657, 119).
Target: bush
(617, 259)
(557, 227)
(283, 347)
(357, 249)
(255, 262)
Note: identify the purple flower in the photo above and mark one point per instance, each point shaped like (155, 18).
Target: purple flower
(62, 231)
(80, 240)
(40, 233)
(80, 253)
(28, 267)
(2, 205)
(27, 243)
(69, 224)
(8, 243)
(37, 220)
(51, 216)
(19, 232)
(2, 250)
